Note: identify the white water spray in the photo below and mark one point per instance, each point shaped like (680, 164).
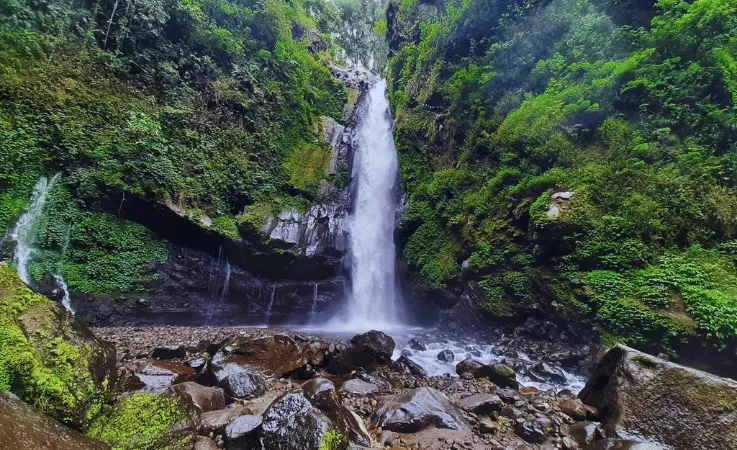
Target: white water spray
(24, 233)
(374, 300)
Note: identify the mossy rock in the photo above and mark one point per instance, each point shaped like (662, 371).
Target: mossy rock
(48, 358)
(682, 407)
(147, 421)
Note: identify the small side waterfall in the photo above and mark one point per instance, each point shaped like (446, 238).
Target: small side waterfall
(374, 301)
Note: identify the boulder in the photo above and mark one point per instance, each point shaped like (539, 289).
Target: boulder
(54, 361)
(276, 355)
(446, 356)
(374, 379)
(534, 431)
(22, 427)
(291, 422)
(242, 432)
(216, 421)
(366, 351)
(545, 373)
(499, 374)
(159, 375)
(204, 443)
(575, 409)
(406, 365)
(416, 410)
(682, 407)
(623, 444)
(483, 403)
(468, 365)
(240, 382)
(169, 352)
(203, 398)
(356, 386)
(585, 433)
(321, 393)
(414, 344)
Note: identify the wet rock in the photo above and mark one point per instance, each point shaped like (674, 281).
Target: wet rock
(159, 375)
(387, 438)
(499, 374)
(242, 432)
(510, 396)
(663, 400)
(584, 433)
(276, 355)
(416, 410)
(240, 382)
(414, 344)
(22, 427)
(623, 444)
(366, 351)
(468, 365)
(544, 372)
(203, 398)
(575, 408)
(483, 403)
(291, 422)
(216, 421)
(534, 431)
(446, 356)
(374, 379)
(358, 387)
(169, 352)
(406, 365)
(406, 353)
(487, 426)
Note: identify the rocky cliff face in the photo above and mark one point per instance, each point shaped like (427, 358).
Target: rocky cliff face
(295, 273)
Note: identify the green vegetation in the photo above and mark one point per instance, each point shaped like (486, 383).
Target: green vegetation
(334, 440)
(144, 421)
(42, 359)
(629, 106)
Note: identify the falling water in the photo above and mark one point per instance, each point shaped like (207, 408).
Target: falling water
(226, 281)
(66, 300)
(374, 300)
(24, 233)
(271, 303)
(313, 310)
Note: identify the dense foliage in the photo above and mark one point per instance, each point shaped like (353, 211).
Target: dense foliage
(579, 153)
(212, 106)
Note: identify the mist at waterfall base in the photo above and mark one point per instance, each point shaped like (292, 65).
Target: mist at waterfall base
(373, 300)
(25, 231)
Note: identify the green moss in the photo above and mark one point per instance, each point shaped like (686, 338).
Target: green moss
(227, 226)
(143, 421)
(334, 440)
(39, 362)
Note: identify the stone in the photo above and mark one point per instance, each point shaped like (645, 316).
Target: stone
(276, 355)
(240, 382)
(483, 403)
(487, 426)
(204, 399)
(677, 405)
(321, 393)
(544, 372)
(406, 353)
(414, 344)
(374, 379)
(584, 433)
(22, 427)
(624, 444)
(416, 410)
(356, 386)
(169, 352)
(216, 421)
(365, 351)
(291, 422)
(468, 365)
(406, 365)
(534, 431)
(446, 356)
(159, 375)
(242, 432)
(387, 438)
(204, 443)
(574, 408)
(500, 374)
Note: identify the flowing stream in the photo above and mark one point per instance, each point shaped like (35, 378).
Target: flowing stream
(374, 300)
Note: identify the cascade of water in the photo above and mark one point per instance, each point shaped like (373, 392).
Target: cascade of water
(313, 310)
(24, 233)
(66, 301)
(374, 301)
(271, 304)
(214, 273)
(226, 282)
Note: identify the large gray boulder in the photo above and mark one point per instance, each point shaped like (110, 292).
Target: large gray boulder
(291, 422)
(682, 407)
(364, 351)
(321, 393)
(416, 410)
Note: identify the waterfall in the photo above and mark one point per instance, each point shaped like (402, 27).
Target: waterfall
(24, 233)
(226, 281)
(66, 300)
(271, 304)
(374, 298)
(313, 309)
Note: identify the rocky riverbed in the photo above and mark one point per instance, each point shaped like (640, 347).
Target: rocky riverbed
(282, 389)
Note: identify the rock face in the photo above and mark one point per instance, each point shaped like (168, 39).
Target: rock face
(683, 407)
(365, 351)
(417, 410)
(24, 428)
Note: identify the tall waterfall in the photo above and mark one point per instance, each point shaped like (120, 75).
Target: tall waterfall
(24, 233)
(374, 300)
